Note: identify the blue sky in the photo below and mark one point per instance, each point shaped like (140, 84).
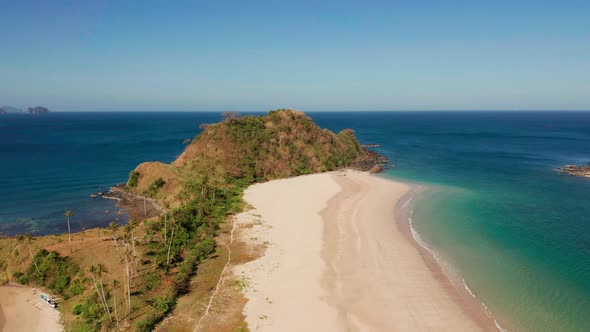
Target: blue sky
(255, 56)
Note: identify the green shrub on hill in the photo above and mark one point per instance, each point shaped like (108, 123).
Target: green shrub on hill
(56, 273)
(154, 186)
(133, 177)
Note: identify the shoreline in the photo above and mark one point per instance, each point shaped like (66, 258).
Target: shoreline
(447, 275)
(137, 207)
(344, 271)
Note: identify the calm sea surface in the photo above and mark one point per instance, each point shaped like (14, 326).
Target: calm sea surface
(518, 232)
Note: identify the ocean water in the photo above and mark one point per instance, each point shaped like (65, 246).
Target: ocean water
(50, 163)
(518, 232)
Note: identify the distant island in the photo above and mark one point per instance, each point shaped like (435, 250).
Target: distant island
(9, 110)
(38, 110)
(30, 110)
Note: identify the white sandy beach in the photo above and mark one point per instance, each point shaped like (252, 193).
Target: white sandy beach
(21, 310)
(337, 261)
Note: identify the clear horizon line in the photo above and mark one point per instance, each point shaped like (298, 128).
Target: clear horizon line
(323, 111)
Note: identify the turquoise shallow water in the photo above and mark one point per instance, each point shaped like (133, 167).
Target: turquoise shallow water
(518, 232)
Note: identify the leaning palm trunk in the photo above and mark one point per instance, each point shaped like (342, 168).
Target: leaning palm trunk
(165, 230)
(170, 248)
(134, 252)
(100, 296)
(201, 198)
(69, 234)
(128, 282)
(213, 199)
(34, 261)
(125, 287)
(117, 244)
(104, 298)
(22, 258)
(115, 306)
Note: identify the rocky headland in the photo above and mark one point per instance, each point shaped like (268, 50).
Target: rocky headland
(575, 170)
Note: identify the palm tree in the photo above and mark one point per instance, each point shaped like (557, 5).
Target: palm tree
(20, 238)
(126, 255)
(68, 215)
(130, 237)
(115, 287)
(28, 238)
(100, 270)
(114, 227)
(94, 271)
(217, 183)
(170, 246)
(165, 228)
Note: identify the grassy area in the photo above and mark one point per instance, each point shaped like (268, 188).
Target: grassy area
(226, 311)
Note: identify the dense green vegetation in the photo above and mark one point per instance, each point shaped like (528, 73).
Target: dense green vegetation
(133, 177)
(91, 311)
(64, 278)
(54, 272)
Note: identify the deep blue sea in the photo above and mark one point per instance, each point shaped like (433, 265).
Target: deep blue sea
(518, 232)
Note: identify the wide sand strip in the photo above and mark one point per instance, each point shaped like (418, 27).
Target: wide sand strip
(377, 278)
(284, 291)
(22, 310)
(336, 260)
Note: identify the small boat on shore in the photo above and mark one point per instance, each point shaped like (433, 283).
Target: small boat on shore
(50, 301)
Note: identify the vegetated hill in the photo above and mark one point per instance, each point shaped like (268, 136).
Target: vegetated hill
(281, 144)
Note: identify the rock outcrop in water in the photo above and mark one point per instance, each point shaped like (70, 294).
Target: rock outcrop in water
(576, 170)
